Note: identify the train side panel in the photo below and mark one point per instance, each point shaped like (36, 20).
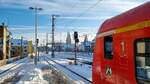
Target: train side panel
(124, 54)
(96, 71)
(103, 69)
(123, 67)
(126, 59)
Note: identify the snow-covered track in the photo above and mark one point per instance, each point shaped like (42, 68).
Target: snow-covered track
(73, 72)
(82, 61)
(11, 71)
(11, 67)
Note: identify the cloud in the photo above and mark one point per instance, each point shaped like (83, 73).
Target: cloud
(60, 33)
(76, 7)
(59, 37)
(30, 29)
(77, 10)
(86, 18)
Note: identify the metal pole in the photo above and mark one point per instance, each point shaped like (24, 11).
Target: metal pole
(38, 50)
(21, 47)
(35, 59)
(46, 43)
(53, 46)
(36, 24)
(75, 53)
(38, 53)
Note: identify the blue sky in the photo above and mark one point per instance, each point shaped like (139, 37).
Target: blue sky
(84, 16)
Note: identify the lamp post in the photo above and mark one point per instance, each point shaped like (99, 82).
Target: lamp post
(21, 56)
(53, 34)
(36, 21)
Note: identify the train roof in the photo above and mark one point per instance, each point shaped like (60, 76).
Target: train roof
(135, 15)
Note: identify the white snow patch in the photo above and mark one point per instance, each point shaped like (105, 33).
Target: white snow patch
(32, 75)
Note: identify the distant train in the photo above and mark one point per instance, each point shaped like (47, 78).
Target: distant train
(122, 49)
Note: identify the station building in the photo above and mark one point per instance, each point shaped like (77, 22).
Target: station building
(19, 48)
(5, 44)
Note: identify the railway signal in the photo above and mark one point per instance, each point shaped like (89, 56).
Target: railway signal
(76, 41)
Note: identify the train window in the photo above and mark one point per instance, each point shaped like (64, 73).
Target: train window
(108, 47)
(142, 52)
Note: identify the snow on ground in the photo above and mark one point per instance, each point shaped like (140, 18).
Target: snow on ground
(33, 74)
(5, 67)
(10, 70)
(25, 73)
(80, 55)
(82, 69)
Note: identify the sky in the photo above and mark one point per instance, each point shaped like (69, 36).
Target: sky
(84, 16)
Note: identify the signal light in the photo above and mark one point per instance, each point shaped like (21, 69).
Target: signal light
(75, 35)
(77, 40)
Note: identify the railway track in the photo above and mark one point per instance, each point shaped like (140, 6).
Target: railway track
(82, 61)
(68, 69)
(11, 71)
(11, 67)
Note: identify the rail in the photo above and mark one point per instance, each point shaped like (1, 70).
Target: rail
(70, 70)
(10, 72)
(10, 68)
(60, 74)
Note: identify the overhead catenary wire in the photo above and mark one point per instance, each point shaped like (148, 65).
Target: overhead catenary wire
(90, 8)
(84, 12)
(71, 7)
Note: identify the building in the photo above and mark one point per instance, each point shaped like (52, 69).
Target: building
(68, 45)
(30, 48)
(19, 47)
(68, 39)
(5, 36)
(85, 46)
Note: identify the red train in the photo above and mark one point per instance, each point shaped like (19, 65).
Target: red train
(122, 49)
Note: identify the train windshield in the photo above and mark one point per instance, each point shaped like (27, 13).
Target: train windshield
(142, 53)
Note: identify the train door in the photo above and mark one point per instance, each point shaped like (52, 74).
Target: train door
(142, 57)
(108, 64)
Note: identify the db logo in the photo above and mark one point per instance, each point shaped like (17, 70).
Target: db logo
(108, 71)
